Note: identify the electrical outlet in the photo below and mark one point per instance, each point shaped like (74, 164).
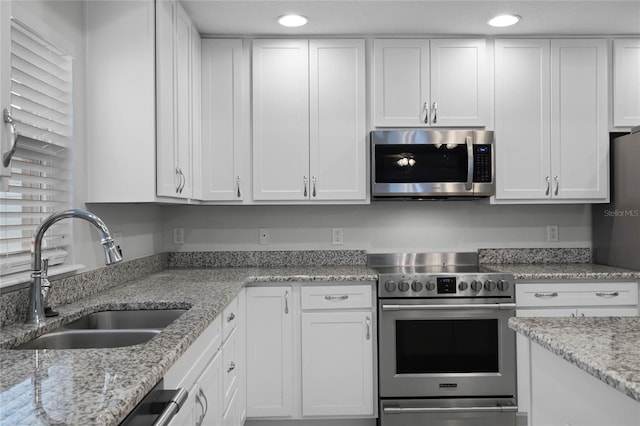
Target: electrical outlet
(178, 235)
(552, 233)
(264, 236)
(337, 236)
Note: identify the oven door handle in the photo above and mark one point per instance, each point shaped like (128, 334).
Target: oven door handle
(405, 410)
(492, 306)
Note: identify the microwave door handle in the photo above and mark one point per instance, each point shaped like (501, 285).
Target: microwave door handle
(469, 184)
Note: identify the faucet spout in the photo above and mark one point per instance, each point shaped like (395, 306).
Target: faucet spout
(112, 255)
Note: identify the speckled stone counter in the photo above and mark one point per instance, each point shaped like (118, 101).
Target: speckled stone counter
(608, 348)
(101, 386)
(564, 271)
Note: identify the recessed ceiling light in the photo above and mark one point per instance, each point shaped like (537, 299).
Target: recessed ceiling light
(504, 20)
(292, 20)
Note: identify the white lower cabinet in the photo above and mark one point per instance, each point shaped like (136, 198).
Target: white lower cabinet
(565, 299)
(310, 351)
(562, 394)
(211, 370)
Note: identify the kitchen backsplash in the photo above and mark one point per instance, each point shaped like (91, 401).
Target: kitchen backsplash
(535, 255)
(13, 305)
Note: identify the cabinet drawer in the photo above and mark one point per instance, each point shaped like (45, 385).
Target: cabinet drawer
(336, 297)
(229, 318)
(577, 294)
(229, 368)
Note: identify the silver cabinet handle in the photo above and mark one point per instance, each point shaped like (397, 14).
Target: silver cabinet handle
(469, 184)
(548, 179)
(179, 180)
(286, 302)
(435, 113)
(7, 156)
(314, 180)
(184, 180)
(232, 366)
(557, 181)
(304, 178)
(368, 336)
(231, 317)
(238, 187)
(199, 402)
(572, 315)
(426, 112)
(554, 294)
(342, 297)
(607, 293)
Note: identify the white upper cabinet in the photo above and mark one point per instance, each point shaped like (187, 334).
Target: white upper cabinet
(438, 82)
(551, 120)
(174, 100)
(309, 136)
(280, 120)
(222, 162)
(626, 82)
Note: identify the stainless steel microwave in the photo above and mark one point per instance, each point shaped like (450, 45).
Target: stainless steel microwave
(432, 164)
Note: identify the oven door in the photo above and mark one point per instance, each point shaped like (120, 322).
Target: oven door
(446, 348)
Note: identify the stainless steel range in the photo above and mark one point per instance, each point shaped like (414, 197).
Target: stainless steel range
(446, 354)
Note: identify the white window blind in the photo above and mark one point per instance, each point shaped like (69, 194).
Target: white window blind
(40, 181)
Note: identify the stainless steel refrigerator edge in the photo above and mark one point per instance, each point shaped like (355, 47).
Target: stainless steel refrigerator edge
(616, 226)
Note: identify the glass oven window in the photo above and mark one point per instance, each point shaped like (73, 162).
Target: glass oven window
(447, 346)
(420, 163)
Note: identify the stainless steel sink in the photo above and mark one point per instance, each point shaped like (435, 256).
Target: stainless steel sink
(122, 320)
(107, 329)
(85, 339)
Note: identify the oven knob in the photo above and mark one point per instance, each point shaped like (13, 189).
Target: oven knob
(430, 285)
(463, 286)
(503, 285)
(403, 286)
(476, 285)
(490, 285)
(390, 286)
(416, 285)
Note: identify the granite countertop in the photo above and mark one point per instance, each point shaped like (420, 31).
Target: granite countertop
(605, 347)
(101, 386)
(564, 271)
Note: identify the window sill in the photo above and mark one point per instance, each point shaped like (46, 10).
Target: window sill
(21, 280)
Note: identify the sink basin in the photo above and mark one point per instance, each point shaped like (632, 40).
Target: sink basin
(122, 320)
(107, 329)
(85, 339)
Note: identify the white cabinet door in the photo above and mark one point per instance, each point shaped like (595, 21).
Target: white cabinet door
(280, 120)
(421, 83)
(458, 83)
(626, 82)
(208, 398)
(168, 179)
(338, 136)
(223, 133)
(401, 83)
(269, 352)
(522, 119)
(551, 132)
(579, 130)
(563, 394)
(337, 364)
(174, 81)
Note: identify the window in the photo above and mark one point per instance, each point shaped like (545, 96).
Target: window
(40, 180)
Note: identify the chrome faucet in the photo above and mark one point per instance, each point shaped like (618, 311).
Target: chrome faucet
(38, 275)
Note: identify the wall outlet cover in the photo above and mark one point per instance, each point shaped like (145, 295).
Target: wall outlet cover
(264, 236)
(178, 235)
(337, 236)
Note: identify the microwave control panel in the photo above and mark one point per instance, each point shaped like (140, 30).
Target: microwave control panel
(482, 164)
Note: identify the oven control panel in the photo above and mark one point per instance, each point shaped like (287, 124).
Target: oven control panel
(453, 285)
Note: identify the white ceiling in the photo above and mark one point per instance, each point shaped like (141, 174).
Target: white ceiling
(415, 17)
